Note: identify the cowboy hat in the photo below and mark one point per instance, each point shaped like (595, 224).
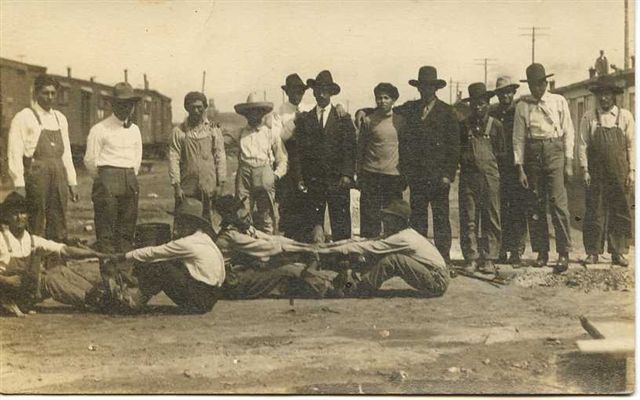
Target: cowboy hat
(293, 81)
(191, 209)
(604, 86)
(324, 80)
(536, 73)
(252, 104)
(398, 208)
(504, 83)
(478, 90)
(229, 205)
(428, 75)
(123, 91)
(14, 202)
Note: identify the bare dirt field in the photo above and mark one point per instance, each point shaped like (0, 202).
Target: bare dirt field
(519, 338)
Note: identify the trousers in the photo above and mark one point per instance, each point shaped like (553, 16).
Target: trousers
(321, 195)
(513, 214)
(423, 194)
(258, 185)
(377, 191)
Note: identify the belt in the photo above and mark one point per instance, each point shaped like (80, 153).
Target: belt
(542, 140)
(103, 167)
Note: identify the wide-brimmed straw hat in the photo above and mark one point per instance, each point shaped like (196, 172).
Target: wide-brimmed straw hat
(504, 83)
(428, 75)
(324, 80)
(478, 90)
(123, 91)
(293, 81)
(252, 104)
(536, 73)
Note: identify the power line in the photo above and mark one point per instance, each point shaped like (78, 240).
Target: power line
(534, 32)
(485, 63)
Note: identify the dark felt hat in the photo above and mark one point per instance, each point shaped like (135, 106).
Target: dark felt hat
(293, 81)
(428, 75)
(229, 205)
(123, 91)
(478, 90)
(536, 73)
(604, 85)
(398, 208)
(191, 209)
(13, 203)
(324, 80)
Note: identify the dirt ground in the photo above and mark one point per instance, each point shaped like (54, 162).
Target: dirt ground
(519, 338)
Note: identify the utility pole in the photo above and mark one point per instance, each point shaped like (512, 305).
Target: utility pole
(485, 63)
(626, 34)
(126, 75)
(451, 83)
(204, 78)
(534, 31)
(264, 95)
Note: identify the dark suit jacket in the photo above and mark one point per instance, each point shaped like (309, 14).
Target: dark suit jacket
(324, 154)
(429, 149)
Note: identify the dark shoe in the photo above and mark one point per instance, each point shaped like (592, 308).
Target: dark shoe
(591, 259)
(542, 260)
(515, 260)
(562, 265)
(502, 258)
(619, 259)
(487, 267)
(471, 267)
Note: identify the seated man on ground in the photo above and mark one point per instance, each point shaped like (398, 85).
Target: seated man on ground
(400, 252)
(23, 282)
(189, 269)
(259, 263)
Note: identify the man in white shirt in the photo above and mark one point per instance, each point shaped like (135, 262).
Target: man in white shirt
(113, 157)
(607, 160)
(262, 161)
(40, 162)
(189, 269)
(543, 140)
(22, 281)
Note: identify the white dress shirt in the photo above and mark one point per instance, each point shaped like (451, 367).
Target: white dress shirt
(287, 115)
(608, 119)
(547, 118)
(325, 115)
(111, 144)
(21, 248)
(263, 146)
(23, 139)
(198, 252)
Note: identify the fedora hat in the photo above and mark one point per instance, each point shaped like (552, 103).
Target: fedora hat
(478, 90)
(398, 208)
(191, 209)
(252, 103)
(604, 85)
(504, 83)
(293, 81)
(14, 202)
(536, 73)
(324, 80)
(124, 92)
(428, 75)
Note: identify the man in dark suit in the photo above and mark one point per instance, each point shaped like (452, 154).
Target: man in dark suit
(325, 161)
(429, 152)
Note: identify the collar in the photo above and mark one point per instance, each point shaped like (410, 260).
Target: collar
(326, 109)
(430, 104)
(41, 110)
(614, 111)
(187, 125)
(115, 119)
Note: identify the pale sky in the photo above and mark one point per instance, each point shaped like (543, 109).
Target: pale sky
(253, 45)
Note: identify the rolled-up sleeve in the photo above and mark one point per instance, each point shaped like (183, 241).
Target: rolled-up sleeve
(67, 159)
(175, 150)
(567, 128)
(219, 155)
(519, 133)
(47, 246)
(15, 150)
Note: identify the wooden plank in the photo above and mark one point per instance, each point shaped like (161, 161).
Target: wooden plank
(612, 330)
(607, 346)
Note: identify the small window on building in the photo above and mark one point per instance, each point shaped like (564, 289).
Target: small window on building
(63, 95)
(146, 107)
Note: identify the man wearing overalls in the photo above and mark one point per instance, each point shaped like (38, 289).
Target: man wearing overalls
(513, 216)
(481, 150)
(40, 162)
(22, 282)
(606, 155)
(113, 157)
(197, 160)
(543, 139)
(262, 161)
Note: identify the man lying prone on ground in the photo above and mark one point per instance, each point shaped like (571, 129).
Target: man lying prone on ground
(260, 264)
(400, 252)
(23, 282)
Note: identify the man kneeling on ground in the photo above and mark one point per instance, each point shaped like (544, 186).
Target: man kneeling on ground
(261, 264)
(23, 283)
(401, 252)
(189, 269)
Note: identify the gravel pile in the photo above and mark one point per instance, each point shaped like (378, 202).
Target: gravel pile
(620, 279)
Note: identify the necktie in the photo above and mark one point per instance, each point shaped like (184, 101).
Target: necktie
(321, 119)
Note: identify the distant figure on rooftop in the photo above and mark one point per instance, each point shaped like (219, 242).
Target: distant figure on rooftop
(602, 65)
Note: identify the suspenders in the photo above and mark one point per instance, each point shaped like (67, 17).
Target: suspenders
(6, 240)
(35, 114)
